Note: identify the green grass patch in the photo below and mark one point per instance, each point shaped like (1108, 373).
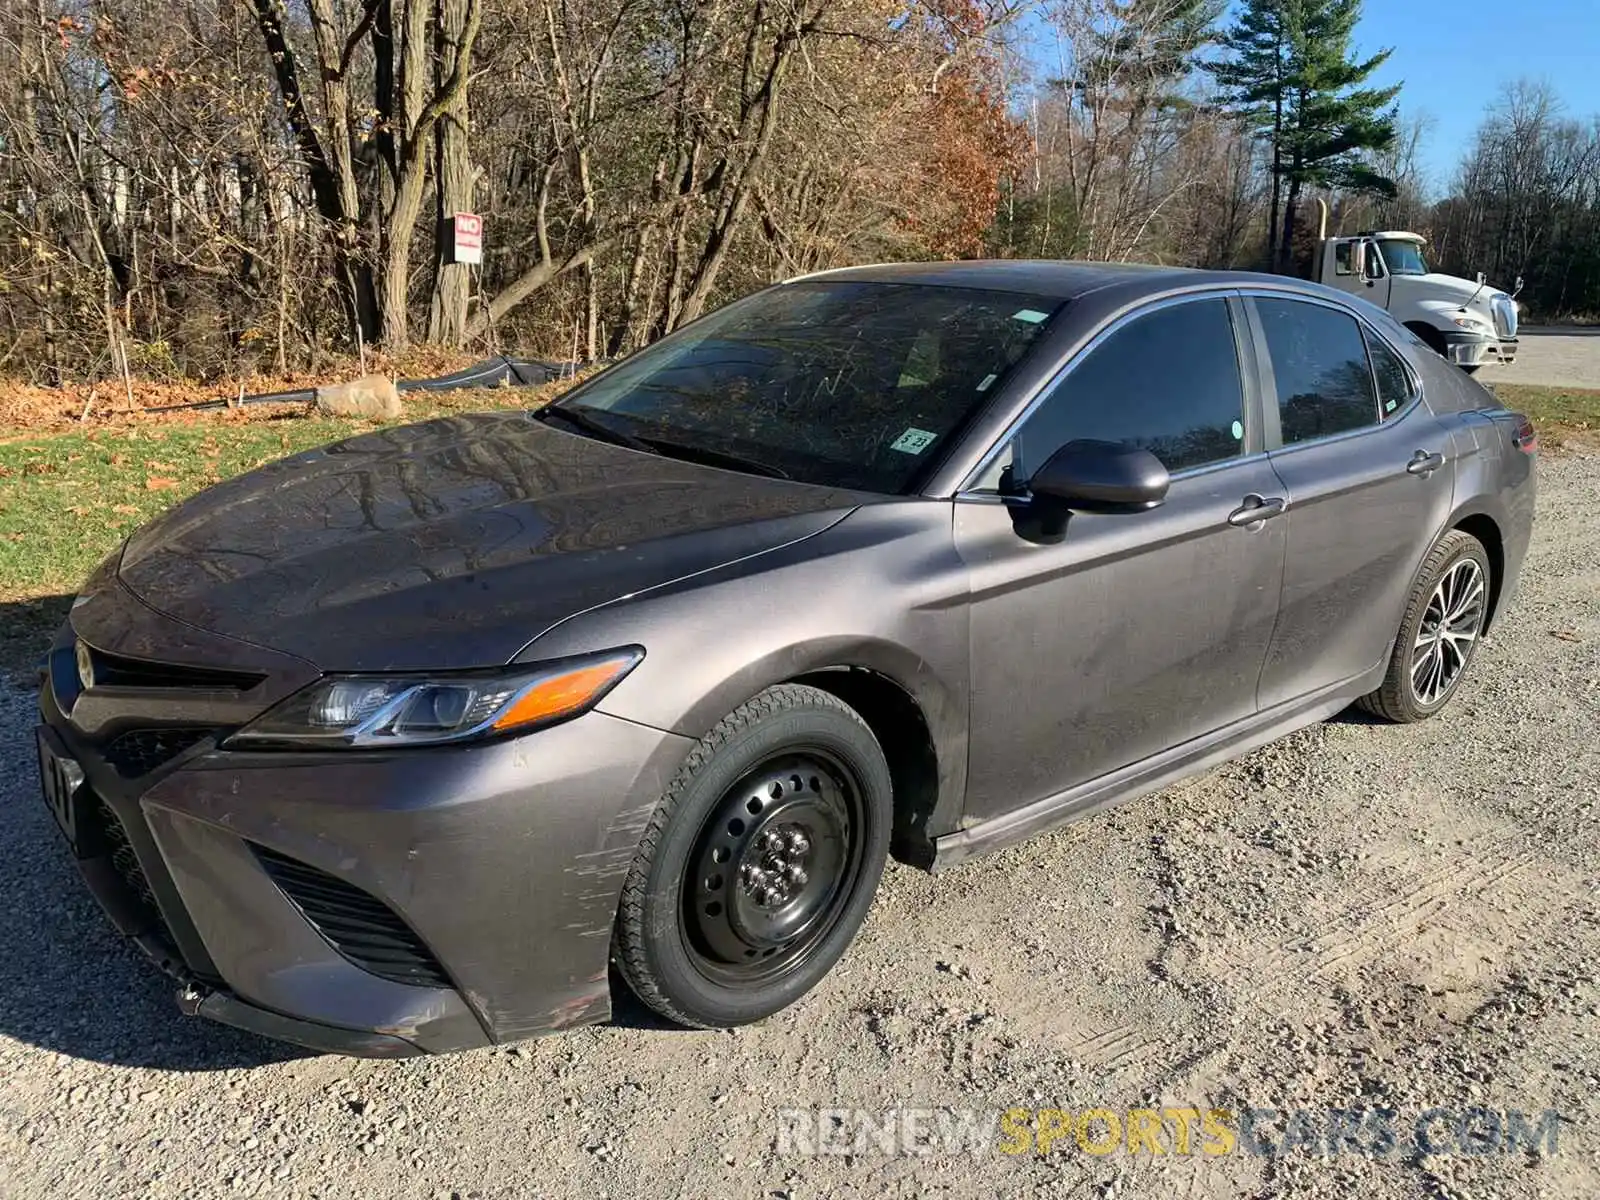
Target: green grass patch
(1561, 415)
(67, 499)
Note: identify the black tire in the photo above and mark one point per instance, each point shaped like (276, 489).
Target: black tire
(813, 780)
(1430, 336)
(1400, 698)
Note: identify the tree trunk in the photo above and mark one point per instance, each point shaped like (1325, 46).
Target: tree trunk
(591, 316)
(731, 212)
(624, 336)
(452, 281)
(1286, 253)
(1277, 179)
(332, 183)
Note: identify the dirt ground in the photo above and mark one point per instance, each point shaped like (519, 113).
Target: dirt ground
(1564, 356)
(1361, 916)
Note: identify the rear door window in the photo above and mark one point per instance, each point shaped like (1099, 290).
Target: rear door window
(1395, 388)
(1319, 362)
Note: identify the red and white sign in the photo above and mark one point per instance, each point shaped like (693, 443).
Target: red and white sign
(467, 233)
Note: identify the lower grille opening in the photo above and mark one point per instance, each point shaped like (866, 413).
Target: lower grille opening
(142, 751)
(119, 848)
(358, 925)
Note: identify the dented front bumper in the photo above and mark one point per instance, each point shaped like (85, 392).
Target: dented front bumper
(433, 900)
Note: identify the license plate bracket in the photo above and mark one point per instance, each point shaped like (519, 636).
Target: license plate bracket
(65, 792)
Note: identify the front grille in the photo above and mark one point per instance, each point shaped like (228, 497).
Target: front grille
(358, 925)
(142, 751)
(1505, 316)
(117, 671)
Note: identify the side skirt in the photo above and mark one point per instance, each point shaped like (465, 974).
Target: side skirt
(1142, 778)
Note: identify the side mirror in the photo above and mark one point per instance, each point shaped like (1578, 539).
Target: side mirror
(1482, 279)
(1517, 287)
(1358, 259)
(1104, 477)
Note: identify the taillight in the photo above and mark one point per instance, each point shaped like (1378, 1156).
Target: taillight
(1526, 438)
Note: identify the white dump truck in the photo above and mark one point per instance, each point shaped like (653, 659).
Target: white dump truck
(1468, 322)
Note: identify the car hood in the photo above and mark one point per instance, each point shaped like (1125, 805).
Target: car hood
(1450, 288)
(451, 543)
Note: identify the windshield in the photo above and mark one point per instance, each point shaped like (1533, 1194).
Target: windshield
(1403, 257)
(843, 383)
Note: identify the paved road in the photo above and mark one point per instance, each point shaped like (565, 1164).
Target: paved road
(1553, 356)
(1361, 915)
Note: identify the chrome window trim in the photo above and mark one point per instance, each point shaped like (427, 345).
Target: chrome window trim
(1220, 293)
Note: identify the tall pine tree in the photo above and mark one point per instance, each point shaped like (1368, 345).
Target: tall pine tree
(1292, 72)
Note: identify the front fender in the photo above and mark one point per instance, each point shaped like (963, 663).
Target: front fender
(883, 591)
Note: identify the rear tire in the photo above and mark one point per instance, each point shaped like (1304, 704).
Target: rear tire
(1439, 633)
(759, 863)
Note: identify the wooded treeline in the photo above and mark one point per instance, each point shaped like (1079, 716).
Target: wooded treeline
(219, 183)
(208, 187)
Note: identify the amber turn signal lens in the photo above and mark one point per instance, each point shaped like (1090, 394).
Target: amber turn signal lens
(559, 695)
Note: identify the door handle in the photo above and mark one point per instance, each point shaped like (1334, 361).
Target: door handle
(1423, 463)
(1257, 508)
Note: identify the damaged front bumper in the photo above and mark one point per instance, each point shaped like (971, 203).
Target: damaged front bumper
(374, 904)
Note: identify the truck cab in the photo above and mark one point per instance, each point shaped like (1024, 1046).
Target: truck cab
(1468, 322)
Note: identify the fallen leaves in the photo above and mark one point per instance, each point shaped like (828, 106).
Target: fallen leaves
(159, 483)
(25, 405)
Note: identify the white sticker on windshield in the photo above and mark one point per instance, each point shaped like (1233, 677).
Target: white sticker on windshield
(987, 380)
(913, 441)
(1031, 315)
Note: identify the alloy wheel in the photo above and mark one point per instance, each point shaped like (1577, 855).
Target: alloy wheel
(1450, 627)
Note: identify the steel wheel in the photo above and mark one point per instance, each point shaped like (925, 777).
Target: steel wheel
(759, 862)
(1450, 626)
(772, 869)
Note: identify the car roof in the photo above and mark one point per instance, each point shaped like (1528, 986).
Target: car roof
(1055, 278)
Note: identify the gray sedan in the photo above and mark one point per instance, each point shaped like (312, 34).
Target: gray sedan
(435, 737)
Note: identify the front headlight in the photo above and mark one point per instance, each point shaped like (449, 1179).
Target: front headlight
(378, 711)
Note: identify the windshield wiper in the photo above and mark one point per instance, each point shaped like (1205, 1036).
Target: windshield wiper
(713, 458)
(582, 421)
(665, 447)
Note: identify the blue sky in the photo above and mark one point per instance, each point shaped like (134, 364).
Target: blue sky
(1454, 57)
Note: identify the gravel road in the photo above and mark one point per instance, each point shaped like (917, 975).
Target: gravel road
(1549, 356)
(1361, 915)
